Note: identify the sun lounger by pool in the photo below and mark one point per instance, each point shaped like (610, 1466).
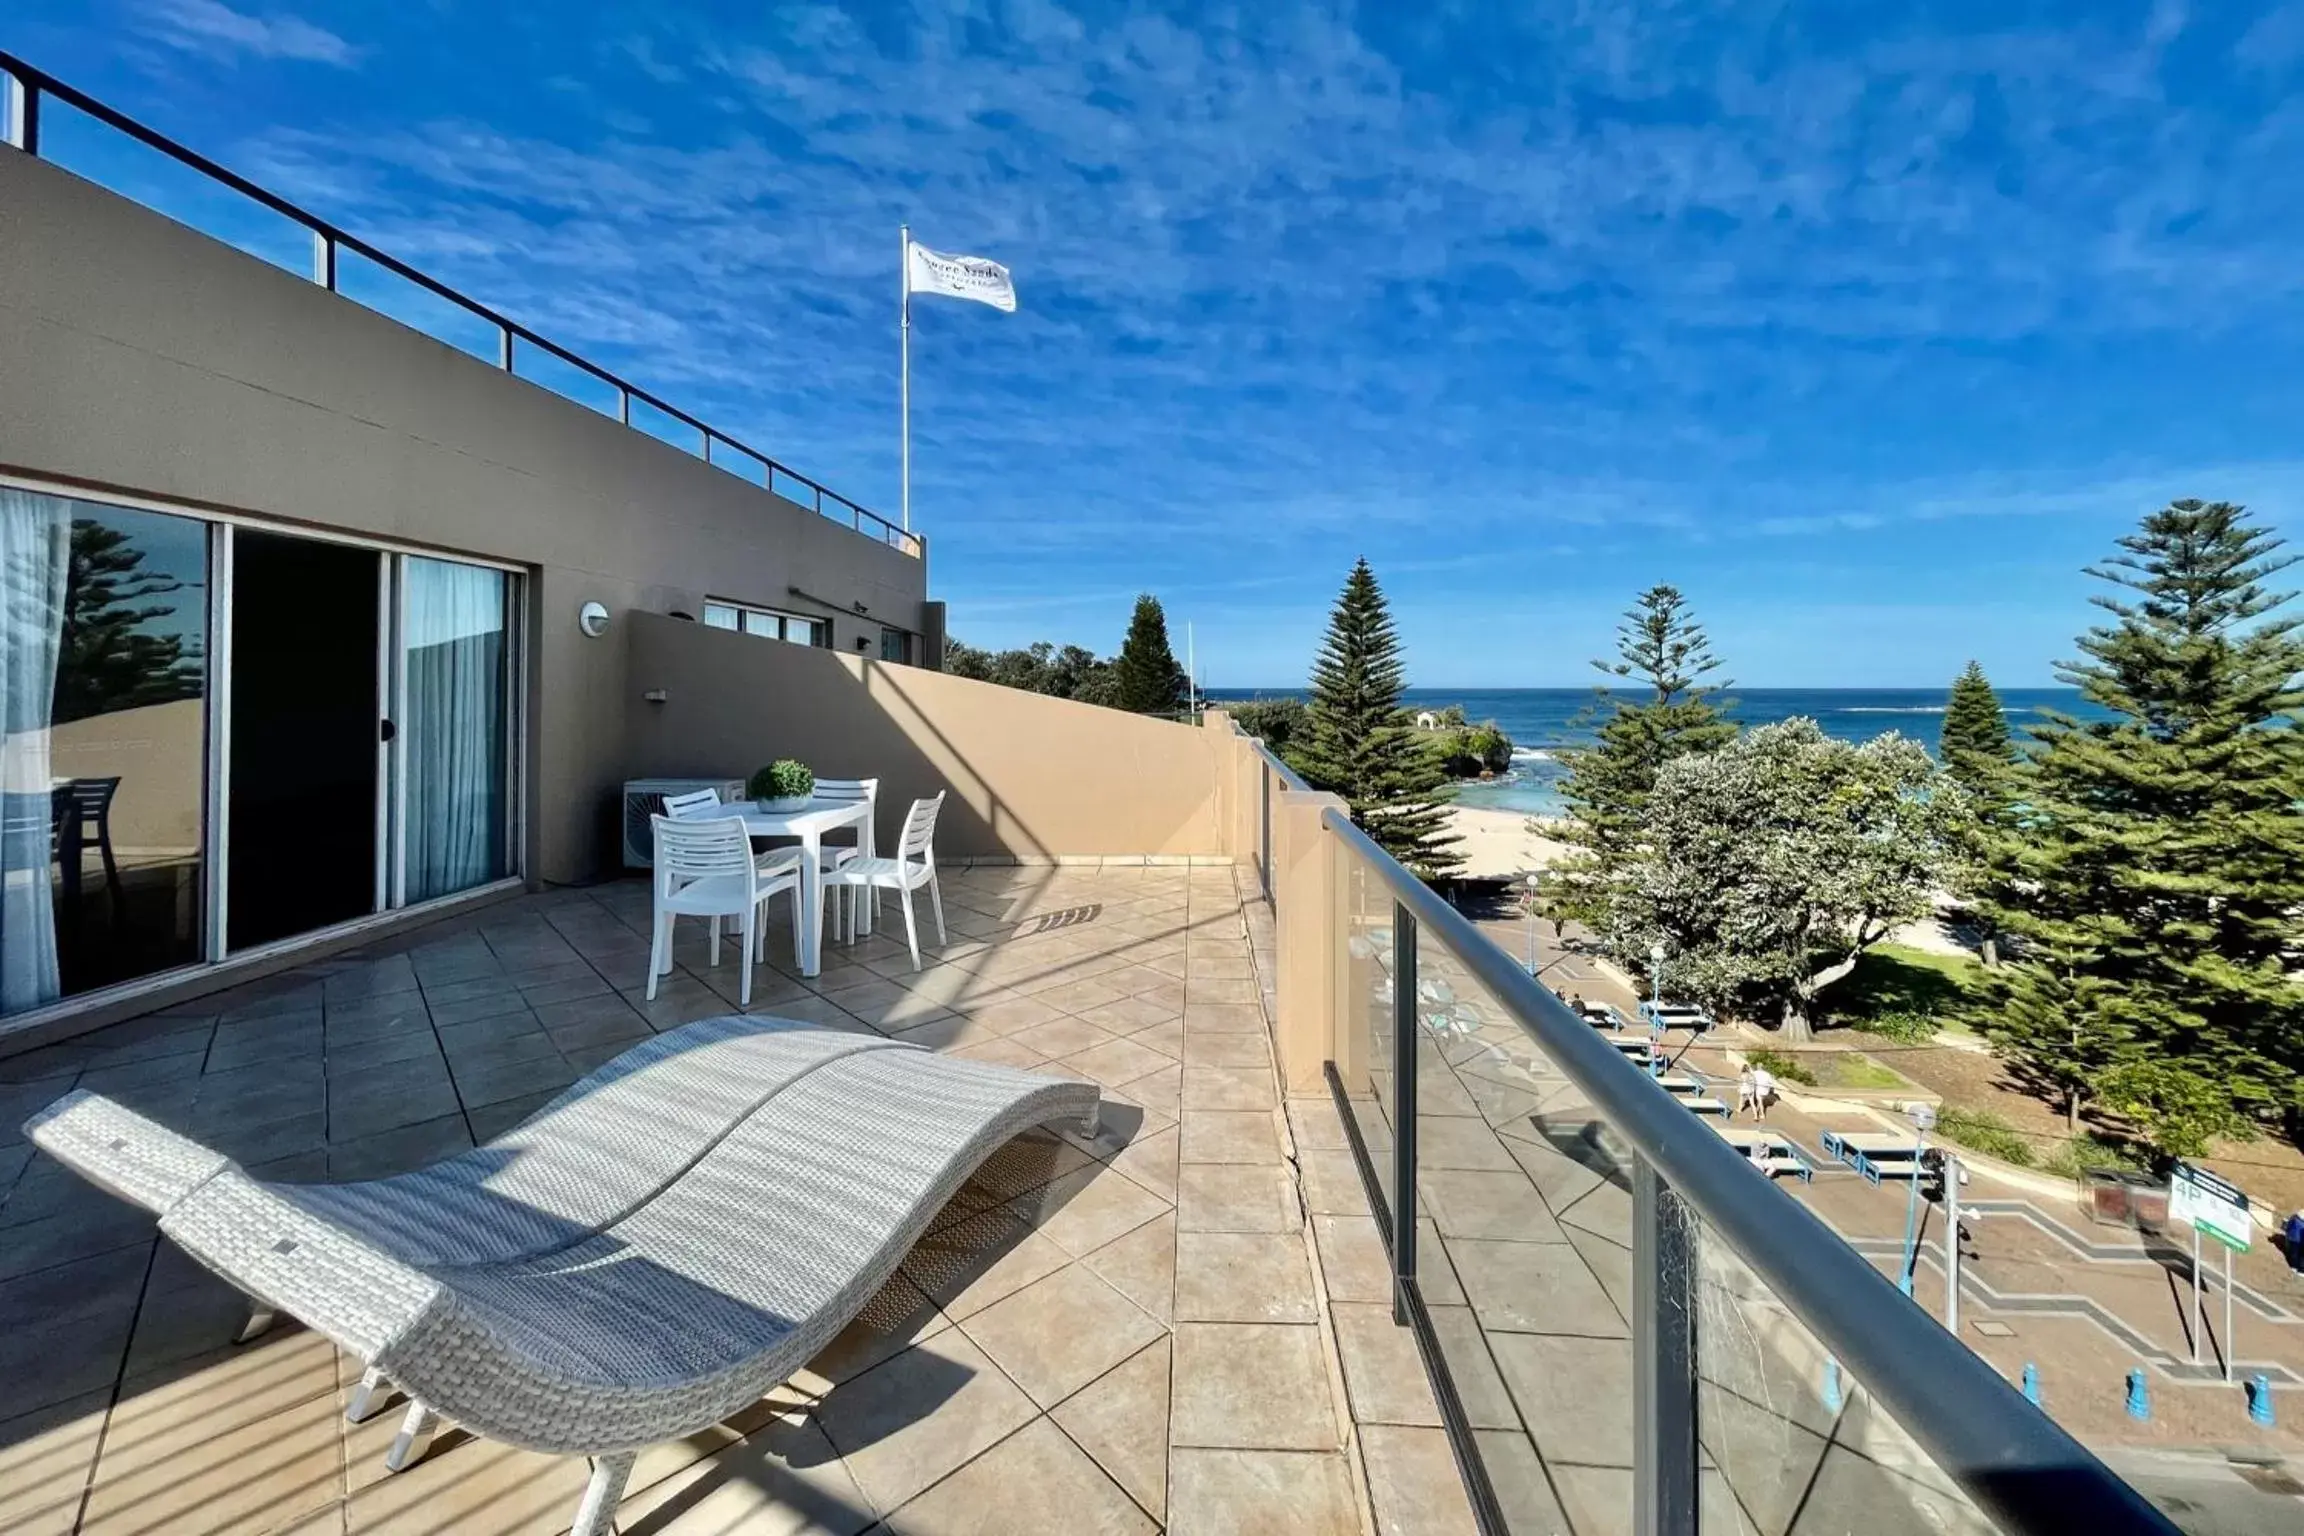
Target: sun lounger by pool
(1771, 1152)
(653, 1251)
(1634, 1046)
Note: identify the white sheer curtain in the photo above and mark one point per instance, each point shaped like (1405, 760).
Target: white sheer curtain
(35, 561)
(455, 727)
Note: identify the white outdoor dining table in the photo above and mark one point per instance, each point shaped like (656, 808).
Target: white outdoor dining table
(809, 824)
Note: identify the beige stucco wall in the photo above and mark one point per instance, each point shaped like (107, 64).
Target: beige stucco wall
(1029, 777)
(140, 357)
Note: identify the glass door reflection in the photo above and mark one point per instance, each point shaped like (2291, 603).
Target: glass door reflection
(103, 677)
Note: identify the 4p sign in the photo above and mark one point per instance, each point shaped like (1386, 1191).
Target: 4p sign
(2215, 1206)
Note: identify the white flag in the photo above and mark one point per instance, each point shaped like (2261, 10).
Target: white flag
(960, 277)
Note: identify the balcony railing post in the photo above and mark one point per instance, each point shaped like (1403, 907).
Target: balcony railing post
(624, 405)
(1264, 825)
(1663, 1358)
(1403, 1109)
(324, 260)
(24, 115)
(504, 347)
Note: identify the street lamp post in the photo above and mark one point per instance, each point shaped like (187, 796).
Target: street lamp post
(1656, 987)
(1533, 878)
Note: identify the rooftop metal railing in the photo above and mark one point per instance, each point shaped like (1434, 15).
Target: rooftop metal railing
(1272, 777)
(32, 86)
(1713, 1247)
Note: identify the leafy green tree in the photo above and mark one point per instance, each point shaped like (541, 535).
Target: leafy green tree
(2160, 853)
(1976, 746)
(1096, 684)
(964, 660)
(1359, 746)
(1074, 672)
(107, 658)
(1281, 724)
(1678, 713)
(1767, 867)
(1145, 677)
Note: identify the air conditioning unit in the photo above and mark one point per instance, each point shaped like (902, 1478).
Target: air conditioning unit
(644, 798)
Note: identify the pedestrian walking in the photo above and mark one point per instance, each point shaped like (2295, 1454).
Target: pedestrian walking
(1763, 1092)
(1747, 1090)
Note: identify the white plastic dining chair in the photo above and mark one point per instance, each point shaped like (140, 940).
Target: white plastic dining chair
(703, 804)
(913, 867)
(692, 805)
(848, 791)
(705, 868)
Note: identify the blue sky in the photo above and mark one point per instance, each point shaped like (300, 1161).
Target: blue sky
(1867, 325)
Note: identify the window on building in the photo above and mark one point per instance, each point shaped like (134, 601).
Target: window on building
(895, 645)
(797, 628)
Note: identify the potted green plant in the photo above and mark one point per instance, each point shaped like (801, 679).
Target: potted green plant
(784, 785)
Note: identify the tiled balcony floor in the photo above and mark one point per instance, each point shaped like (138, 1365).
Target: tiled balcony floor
(1125, 1335)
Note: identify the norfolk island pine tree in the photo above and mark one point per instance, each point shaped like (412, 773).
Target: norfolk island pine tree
(2158, 856)
(1145, 677)
(1359, 743)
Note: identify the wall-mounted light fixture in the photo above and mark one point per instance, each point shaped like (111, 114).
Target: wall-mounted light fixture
(655, 696)
(592, 619)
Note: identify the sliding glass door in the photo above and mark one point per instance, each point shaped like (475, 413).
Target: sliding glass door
(103, 678)
(455, 717)
(215, 737)
(302, 725)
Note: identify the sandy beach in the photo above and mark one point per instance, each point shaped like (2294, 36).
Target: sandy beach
(1499, 842)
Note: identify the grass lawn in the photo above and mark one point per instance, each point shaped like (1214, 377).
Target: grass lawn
(1906, 990)
(1854, 1069)
(1829, 1068)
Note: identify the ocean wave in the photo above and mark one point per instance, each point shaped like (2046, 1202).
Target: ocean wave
(1530, 755)
(1890, 709)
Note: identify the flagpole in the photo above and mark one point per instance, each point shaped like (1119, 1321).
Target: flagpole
(904, 265)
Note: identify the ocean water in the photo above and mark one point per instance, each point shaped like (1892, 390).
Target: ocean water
(1541, 721)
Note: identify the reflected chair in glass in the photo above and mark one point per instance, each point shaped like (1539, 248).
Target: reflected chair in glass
(75, 806)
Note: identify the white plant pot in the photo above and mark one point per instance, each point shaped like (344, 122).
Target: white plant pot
(783, 804)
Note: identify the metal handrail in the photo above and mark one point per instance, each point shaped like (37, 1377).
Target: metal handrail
(2018, 1464)
(1288, 775)
(32, 83)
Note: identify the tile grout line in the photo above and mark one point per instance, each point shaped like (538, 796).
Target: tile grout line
(1331, 1347)
(119, 1381)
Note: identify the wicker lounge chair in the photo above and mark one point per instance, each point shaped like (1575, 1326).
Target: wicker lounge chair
(653, 1251)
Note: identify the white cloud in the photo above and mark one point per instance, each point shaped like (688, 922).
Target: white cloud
(213, 28)
(1293, 286)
